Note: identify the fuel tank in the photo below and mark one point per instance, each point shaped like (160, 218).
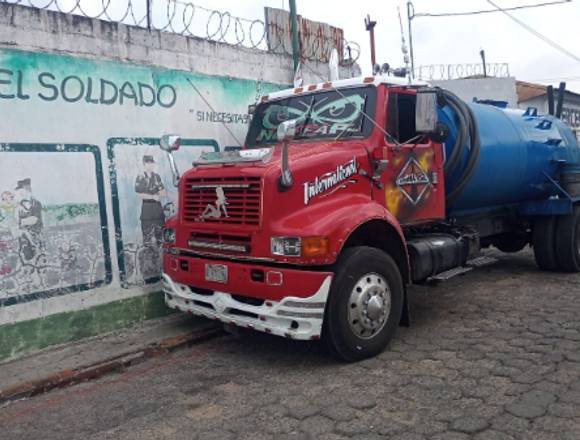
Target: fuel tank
(520, 151)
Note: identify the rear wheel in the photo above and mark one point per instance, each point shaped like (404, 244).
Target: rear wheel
(568, 241)
(544, 241)
(365, 304)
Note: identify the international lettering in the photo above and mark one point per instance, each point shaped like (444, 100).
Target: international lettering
(329, 180)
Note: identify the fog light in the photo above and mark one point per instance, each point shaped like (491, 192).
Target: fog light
(274, 278)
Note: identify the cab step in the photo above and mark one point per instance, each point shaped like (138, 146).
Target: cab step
(477, 262)
(482, 261)
(448, 274)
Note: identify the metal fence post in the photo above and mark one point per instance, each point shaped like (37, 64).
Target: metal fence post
(410, 16)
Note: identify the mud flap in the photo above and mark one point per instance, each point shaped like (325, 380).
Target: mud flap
(406, 315)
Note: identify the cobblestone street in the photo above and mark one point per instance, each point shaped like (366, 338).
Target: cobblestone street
(494, 354)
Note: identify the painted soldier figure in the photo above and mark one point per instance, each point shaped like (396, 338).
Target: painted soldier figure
(150, 189)
(29, 214)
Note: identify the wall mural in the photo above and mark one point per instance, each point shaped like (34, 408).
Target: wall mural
(54, 238)
(53, 235)
(143, 198)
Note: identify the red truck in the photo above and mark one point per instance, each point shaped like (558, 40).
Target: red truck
(345, 192)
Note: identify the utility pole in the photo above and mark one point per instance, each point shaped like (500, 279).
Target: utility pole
(482, 54)
(370, 27)
(294, 30)
(149, 14)
(410, 16)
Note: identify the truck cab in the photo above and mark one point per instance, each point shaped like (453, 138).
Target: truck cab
(313, 230)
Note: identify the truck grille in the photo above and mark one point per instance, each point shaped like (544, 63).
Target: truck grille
(242, 200)
(220, 242)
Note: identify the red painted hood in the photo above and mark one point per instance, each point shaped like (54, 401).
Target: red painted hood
(327, 177)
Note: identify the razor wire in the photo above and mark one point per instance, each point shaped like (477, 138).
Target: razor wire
(186, 18)
(436, 72)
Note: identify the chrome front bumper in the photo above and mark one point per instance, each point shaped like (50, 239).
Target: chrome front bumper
(292, 317)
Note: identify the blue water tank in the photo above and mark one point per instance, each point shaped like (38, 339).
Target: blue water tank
(518, 150)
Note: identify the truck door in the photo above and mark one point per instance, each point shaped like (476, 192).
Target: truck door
(413, 186)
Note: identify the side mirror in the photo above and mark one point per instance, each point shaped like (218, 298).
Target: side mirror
(287, 130)
(426, 111)
(170, 142)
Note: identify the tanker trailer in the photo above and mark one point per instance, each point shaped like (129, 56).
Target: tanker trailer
(518, 181)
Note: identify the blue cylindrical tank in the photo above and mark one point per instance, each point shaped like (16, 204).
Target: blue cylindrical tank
(518, 150)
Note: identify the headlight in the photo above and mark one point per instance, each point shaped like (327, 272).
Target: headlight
(168, 235)
(286, 246)
(299, 246)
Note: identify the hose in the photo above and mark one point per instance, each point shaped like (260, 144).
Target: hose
(467, 137)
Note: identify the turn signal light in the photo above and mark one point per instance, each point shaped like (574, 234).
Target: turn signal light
(314, 246)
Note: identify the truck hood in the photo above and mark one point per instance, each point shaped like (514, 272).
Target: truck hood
(300, 154)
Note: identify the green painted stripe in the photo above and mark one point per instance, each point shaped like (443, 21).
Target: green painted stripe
(25, 336)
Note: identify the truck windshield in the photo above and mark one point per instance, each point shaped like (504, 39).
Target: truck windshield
(324, 115)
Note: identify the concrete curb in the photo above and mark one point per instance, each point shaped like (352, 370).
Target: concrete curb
(118, 363)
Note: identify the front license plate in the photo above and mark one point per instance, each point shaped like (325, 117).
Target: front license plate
(218, 273)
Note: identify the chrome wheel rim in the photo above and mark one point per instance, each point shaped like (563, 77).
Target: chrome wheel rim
(369, 305)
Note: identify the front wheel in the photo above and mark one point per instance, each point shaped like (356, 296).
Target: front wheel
(365, 304)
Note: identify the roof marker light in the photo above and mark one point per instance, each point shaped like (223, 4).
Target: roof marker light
(369, 79)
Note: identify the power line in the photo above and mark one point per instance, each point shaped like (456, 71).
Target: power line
(488, 11)
(536, 33)
(558, 78)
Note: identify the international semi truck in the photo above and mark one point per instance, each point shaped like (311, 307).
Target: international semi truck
(346, 192)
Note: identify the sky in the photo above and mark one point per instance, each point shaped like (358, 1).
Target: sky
(452, 40)
(449, 40)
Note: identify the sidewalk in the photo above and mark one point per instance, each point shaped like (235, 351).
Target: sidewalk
(89, 358)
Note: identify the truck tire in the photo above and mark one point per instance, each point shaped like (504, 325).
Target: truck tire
(364, 306)
(568, 241)
(544, 241)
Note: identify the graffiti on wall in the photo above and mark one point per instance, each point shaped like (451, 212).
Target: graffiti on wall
(143, 198)
(53, 235)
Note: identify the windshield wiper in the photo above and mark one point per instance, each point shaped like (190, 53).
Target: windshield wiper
(307, 116)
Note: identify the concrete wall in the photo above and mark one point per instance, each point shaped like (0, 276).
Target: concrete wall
(82, 103)
(499, 89)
